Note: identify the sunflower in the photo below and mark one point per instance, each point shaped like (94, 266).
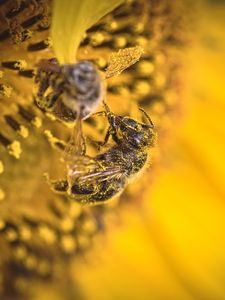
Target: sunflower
(50, 244)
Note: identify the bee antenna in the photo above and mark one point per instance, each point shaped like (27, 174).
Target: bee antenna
(106, 107)
(151, 125)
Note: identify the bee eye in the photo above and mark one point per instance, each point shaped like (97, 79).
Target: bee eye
(132, 123)
(128, 123)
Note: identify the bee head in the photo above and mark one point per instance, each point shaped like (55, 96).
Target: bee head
(83, 87)
(136, 134)
(133, 133)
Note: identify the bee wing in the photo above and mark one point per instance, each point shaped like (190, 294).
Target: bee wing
(101, 175)
(80, 166)
(123, 59)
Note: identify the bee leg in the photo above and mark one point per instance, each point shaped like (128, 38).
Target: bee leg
(58, 186)
(40, 97)
(41, 101)
(112, 122)
(107, 136)
(99, 113)
(108, 112)
(94, 143)
(46, 102)
(52, 98)
(112, 131)
(43, 80)
(99, 144)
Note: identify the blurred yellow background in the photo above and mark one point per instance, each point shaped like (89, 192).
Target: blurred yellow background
(173, 246)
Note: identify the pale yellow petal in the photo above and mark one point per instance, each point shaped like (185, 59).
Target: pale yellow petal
(71, 19)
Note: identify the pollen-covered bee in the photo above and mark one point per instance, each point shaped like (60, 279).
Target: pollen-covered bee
(94, 180)
(77, 89)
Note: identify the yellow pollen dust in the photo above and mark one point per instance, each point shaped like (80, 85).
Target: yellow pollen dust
(11, 235)
(101, 62)
(20, 64)
(120, 42)
(123, 90)
(5, 90)
(31, 262)
(142, 88)
(89, 226)
(97, 38)
(141, 41)
(14, 149)
(111, 26)
(20, 252)
(23, 131)
(139, 27)
(67, 224)
(47, 234)
(68, 243)
(145, 68)
(25, 233)
(37, 122)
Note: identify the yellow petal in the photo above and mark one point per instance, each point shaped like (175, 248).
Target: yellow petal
(71, 19)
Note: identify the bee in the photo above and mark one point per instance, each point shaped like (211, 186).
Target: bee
(67, 90)
(95, 180)
(77, 89)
